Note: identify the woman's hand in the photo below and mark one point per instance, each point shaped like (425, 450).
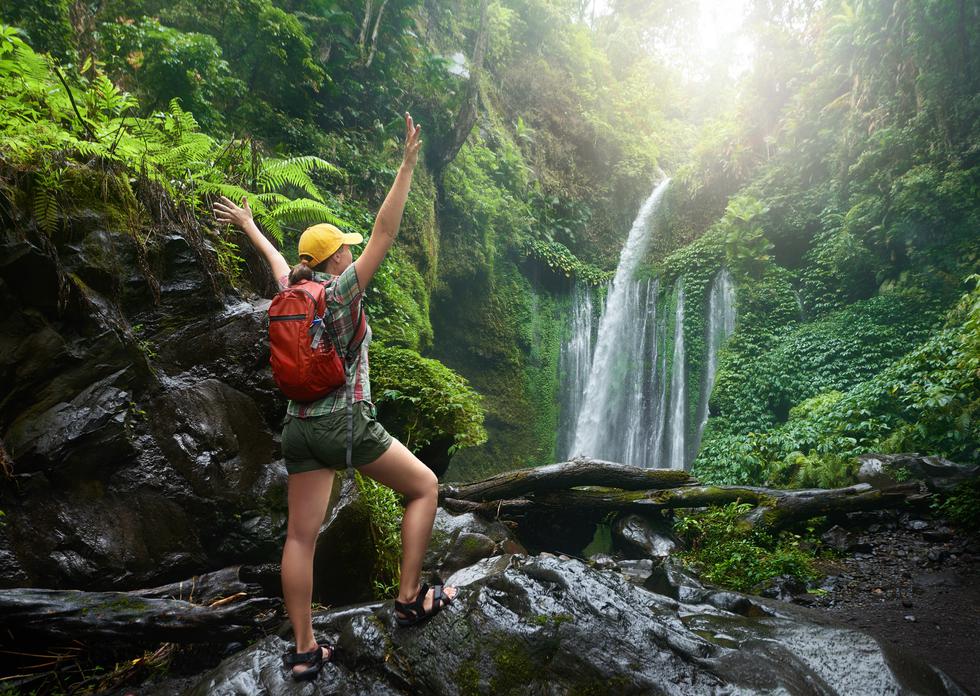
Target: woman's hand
(230, 214)
(413, 142)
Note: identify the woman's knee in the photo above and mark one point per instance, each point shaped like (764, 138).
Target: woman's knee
(425, 485)
(305, 538)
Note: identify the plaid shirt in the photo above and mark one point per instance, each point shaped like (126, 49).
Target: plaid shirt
(344, 297)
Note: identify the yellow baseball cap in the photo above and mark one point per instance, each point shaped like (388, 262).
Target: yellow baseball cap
(319, 242)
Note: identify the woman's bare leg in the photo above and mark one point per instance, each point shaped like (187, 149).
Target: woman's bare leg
(401, 470)
(308, 496)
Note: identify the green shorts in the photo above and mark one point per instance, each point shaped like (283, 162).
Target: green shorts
(320, 442)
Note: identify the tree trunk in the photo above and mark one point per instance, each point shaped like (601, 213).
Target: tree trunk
(578, 472)
(39, 617)
(374, 35)
(515, 495)
(208, 589)
(364, 26)
(469, 108)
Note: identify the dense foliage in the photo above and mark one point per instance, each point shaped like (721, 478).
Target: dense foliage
(848, 215)
(733, 555)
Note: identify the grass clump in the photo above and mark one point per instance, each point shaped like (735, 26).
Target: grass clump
(386, 512)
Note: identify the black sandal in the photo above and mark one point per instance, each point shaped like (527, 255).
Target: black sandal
(415, 610)
(314, 658)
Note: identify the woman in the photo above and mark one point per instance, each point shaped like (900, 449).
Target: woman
(314, 438)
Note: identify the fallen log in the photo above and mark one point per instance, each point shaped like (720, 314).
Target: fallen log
(774, 508)
(205, 589)
(31, 616)
(578, 472)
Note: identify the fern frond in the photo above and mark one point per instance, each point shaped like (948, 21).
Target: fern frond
(271, 199)
(303, 211)
(295, 171)
(232, 191)
(178, 120)
(193, 149)
(90, 148)
(45, 207)
(269, 224)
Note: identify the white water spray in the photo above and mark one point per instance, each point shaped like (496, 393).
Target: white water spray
(600, 430)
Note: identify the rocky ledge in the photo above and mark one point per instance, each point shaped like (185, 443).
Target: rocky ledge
(554, 625)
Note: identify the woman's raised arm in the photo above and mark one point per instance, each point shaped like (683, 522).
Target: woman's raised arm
(227, 212)
(390, 216)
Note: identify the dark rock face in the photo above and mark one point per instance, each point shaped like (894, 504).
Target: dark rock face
(547, 625)
(345, 550)
(138, 412)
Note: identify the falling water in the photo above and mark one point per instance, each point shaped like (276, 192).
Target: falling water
(676, 455)
(658, 394)
(799, 304)
(624, 378)
(603, 425)
(574, 363)
(721, 324)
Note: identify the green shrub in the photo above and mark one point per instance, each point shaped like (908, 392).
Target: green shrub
(159, 63)
(398, 304)
(727, 552)
(386, 512)
(424, 401)
(962, 506)
(559, 259)
(927, 400)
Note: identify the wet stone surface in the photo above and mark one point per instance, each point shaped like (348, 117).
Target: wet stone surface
(553, 625)
(911, 581)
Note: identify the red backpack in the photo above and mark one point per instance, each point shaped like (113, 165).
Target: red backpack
(305, 366)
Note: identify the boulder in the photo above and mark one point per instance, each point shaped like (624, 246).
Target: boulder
(548, 625)
(637, 537)
(345, 550)
(461, 540)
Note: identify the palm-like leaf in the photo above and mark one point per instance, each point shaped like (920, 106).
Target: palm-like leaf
(304, 211)
(295, 171)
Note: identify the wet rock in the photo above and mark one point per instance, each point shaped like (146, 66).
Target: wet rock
(637, 571)
(602, 561)
(938, 535)
(781, 587)
(81, 436)
(461, 540)
(135, 464)
(672, 579)
(637, 536)
(837, 538)
(542, 625)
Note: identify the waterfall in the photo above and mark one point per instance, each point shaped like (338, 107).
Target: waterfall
(624, 377)
(721, 324)
(574, 362)
(676, 455)
(799, 304)
(606, 423)
(658, 394)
